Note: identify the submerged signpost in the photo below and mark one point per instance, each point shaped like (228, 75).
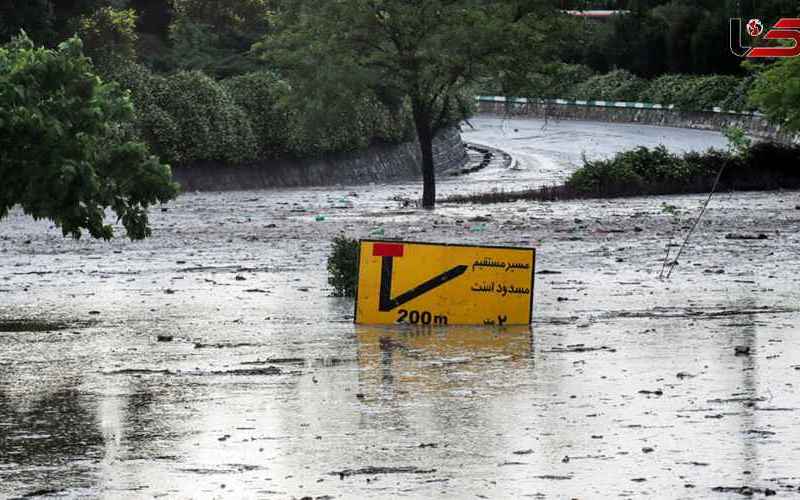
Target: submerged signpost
(442, 284)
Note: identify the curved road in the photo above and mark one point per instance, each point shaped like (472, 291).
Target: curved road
(547, 153)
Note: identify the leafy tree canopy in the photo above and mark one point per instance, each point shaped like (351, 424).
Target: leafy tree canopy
(216, 36)
(65, 150)
(426, 53)
(777, 92)
(109, 36)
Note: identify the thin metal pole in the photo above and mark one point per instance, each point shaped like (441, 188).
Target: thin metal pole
(697, 221)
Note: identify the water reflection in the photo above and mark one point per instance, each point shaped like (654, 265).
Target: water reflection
(412, 360)
(39, 436)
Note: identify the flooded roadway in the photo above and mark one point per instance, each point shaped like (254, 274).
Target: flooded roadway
(211, 362)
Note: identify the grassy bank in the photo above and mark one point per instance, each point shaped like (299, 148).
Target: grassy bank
(643, 171)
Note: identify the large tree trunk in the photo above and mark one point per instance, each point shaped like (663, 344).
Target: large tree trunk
(425, 137)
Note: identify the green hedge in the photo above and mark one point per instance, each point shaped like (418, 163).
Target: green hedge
(557, 80)
(644, 171)
(687, 92)
(618, 85)
(694, 92)
(155, 125)
(263, 97)
(666, 89)
(319, 124)
(211, 125)
(635, 171)
(190, 117)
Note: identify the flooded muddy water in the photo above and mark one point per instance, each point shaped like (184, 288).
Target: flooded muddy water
(211, 361)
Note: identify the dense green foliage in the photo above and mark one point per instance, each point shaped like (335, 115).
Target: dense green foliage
(264, 97)
(211, 125)
(776, 91)
(618, 85)
(645, 171)
(66, 153)
(550, 81)
(189, 117)
(688, 92)
(109, 36)
(200, 94)
(657, 37)
(215, 36)
(343, 266)
(635, 171)
(694, 92)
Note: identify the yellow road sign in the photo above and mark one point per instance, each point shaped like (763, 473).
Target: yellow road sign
(433, 284)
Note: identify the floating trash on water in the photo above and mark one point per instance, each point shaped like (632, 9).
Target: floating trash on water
(319, 218)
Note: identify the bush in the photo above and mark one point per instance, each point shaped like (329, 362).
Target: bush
(635, 171)
(153, 124)
(666, 89)
(263, 97)
(343, 266)
(189, 117)
(777, 92)
(768, 165)
(618, 85)
(706, 92)
(109, 36)
(211, 125)
(694, 93)
(738, 98)
(316, 127)
(556, 80)
(394, 126)
(321, 124)
(645, 171)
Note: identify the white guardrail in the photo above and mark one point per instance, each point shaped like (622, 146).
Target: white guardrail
(601, 104)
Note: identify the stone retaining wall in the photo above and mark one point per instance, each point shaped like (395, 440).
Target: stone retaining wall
(383, 163)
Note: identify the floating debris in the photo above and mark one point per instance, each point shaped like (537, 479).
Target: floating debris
(374, 471)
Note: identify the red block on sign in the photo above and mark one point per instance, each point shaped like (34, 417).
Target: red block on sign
(387, 250)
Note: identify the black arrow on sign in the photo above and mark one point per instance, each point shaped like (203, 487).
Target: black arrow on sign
(387, 303)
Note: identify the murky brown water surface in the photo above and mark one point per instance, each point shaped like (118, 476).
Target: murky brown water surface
(211, 362)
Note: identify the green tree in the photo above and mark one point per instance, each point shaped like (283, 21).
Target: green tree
(681, 20)
(109, 36)
(65, 153)
(216, 36)
(263, 97)
(776, 92)
(423, 52)
(211, 126)
(637, 44)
